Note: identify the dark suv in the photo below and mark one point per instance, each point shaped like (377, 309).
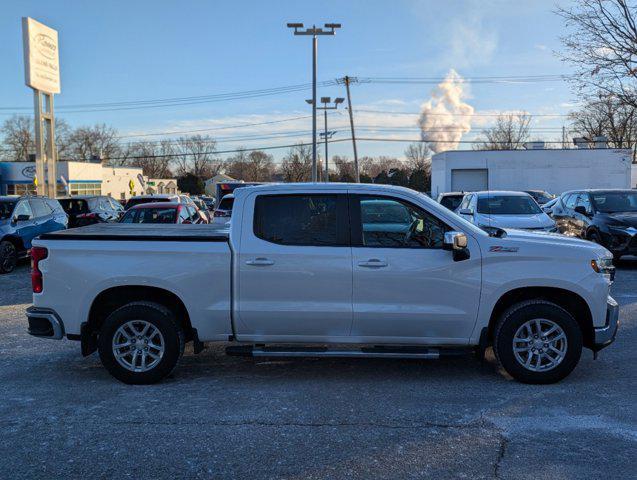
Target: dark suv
(607, 217)
(21, 220)
(87, 210)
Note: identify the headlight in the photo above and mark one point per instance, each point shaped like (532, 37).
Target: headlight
(605, 267)
(625, 230)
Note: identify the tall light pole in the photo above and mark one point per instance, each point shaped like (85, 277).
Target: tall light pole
(314, 32)
(327, 135)
(327, 105)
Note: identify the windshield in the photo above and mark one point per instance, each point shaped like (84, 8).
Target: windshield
(150, 215)
(541, 197)
(451, 202)
(508, 205)
(226, 203)
(6, 208)
(609, 202)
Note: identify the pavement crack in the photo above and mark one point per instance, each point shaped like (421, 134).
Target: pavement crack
(504, 443)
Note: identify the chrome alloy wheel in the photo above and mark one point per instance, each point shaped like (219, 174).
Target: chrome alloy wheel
(540, 345)
(138, 346)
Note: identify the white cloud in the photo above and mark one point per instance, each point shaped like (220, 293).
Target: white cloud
(471, 43)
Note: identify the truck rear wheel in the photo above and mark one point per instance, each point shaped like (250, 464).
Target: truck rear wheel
(537, 341)
(140, 343)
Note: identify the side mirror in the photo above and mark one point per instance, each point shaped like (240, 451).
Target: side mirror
(581, 210)
(457, 243)
(465, 211)
(21, 218)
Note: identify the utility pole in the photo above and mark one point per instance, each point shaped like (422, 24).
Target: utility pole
(327, 105)
(347, 80)
(314, 32)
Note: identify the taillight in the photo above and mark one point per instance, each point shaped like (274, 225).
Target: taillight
(37, 254)
(87, 215)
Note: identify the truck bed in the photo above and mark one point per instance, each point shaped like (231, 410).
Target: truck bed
(145, 232)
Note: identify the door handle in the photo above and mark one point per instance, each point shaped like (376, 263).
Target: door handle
(260, 262)
(373, 263)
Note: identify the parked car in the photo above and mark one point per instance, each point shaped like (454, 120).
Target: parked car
(451, 200)
(210, 202)
(502, 209)
(162, 212)
(21, 220)
(223, 213)
(139, 199)
(87, 210)
(606, 217)
(540, 196)
(308, 264)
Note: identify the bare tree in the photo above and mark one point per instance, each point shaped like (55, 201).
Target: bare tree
(297, 164)
(153, 158)
(196, 155)
(373, 166)
(602, 46)
(86, 143)
(418, 156)
(344, 168)
(256, 166)
(18, 138)
(509, 133)
(609, 117)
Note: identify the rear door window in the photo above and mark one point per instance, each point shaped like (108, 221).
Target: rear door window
(308, 220)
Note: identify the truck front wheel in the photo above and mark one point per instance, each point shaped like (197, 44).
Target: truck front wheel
(537, 341)
(140, 343)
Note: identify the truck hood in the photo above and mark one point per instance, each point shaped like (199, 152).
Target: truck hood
(553, 244)
(539, 220)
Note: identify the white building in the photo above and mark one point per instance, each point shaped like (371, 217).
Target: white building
(83, 178)
(210, 185)
(552, 170)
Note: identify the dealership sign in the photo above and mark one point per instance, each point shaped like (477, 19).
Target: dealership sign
(41, 56)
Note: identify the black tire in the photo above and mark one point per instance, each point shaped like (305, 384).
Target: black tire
(514, 318)
(8, 256)
(162, 319)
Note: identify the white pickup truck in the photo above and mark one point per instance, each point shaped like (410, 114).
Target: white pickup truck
(328, 270)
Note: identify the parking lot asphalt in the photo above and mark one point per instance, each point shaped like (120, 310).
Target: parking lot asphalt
(62, 415)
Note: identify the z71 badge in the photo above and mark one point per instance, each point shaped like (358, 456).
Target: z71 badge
(499, 248)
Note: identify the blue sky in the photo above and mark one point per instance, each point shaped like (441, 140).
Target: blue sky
(137, 50)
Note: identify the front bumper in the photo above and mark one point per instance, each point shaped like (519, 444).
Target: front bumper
(45, 323)
(604, 336)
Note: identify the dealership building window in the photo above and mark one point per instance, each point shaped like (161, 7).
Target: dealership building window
(82, 188)
(21, 189)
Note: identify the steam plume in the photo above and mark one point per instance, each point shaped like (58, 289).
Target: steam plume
(444, 118)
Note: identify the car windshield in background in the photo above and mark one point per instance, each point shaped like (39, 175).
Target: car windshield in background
(508, 205)
(138, 201)
(609, 202)
(541, 197)
(226, 204)
(6, 208)
(451, 202)
(378, 211)
(74, 206)
(150, 215)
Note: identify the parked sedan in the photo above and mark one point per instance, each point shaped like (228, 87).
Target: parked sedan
(162, 212)
(87, 210)
(502, 209)
(607, 217)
